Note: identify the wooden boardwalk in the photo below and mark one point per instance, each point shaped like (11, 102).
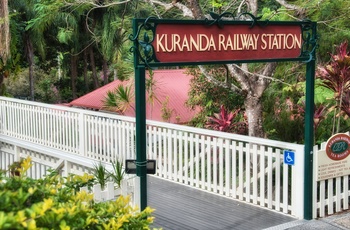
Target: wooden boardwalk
(182, 207)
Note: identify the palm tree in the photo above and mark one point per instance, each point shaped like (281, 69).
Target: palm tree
(107, 28)
(151, 86)
(123, 97)
(27, 36)
(120, 100)
(65, 25)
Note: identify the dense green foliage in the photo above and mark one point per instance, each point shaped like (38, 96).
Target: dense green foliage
(210, 96)
(54, 202)
(64, 49)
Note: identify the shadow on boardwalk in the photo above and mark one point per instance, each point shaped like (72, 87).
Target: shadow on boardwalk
(182, 207)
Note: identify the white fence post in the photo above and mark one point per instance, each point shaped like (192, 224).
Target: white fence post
(16, 151)
(66, 169)
(96, 190)
(81, 130)
(110, 190)
(298, 184)
(137, 192)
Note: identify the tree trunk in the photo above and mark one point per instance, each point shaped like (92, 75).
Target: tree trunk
(253, 6)
(105, 71)
(254, 115)
(4, 31)
(93, 68)
(196, 9)
(85, 70)
(30, 58)
(251, 85)
(4, 40)
(74, 75)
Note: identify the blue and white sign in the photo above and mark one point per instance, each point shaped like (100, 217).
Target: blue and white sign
(289, 157)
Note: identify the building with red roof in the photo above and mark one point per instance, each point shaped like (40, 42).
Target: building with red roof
(171, 90)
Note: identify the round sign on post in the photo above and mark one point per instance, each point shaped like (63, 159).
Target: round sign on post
(333, 162)
(338, 146)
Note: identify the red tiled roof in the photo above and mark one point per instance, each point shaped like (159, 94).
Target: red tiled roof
(172, 83)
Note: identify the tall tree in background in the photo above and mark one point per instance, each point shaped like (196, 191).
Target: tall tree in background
(251, 83)
(4, 31)
(4, 39)
(24, 13)
(90, 35)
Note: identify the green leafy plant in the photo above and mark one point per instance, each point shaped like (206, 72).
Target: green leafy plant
(120, 100)
(18, 168)
(223, 121)
(336, 77)
(166, 111)
(14, 168)
(118, 173)
(75, 182)
(49, 203)
(101, 174)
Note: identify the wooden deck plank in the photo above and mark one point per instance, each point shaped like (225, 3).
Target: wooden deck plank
(182, 207)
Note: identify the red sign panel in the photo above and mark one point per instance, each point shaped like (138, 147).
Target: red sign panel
(203, 43)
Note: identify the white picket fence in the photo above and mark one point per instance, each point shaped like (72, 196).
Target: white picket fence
(331, 195)
(44, 158)
(245, 168)
(110, 192)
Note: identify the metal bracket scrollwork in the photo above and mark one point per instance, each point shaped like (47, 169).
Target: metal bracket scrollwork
(255, 20)
(143, 49)
(310, 40)
(219, 19)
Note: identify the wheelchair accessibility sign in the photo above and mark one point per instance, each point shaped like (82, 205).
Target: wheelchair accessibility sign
(289, 157)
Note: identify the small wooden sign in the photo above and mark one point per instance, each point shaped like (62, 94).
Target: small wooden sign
(333, 162)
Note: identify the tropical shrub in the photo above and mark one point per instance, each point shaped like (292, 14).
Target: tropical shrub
(54, 203)
(209, 97)
(101, 174)
(118, 173)
(336, 77)
(224, 121)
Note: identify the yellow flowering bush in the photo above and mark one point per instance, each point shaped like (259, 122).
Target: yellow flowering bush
(53, 202)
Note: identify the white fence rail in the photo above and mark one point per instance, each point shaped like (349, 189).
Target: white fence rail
(44, 158)
(240, 167)
(331, 195)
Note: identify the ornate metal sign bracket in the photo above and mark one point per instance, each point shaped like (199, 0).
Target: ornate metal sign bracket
(196, 42)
